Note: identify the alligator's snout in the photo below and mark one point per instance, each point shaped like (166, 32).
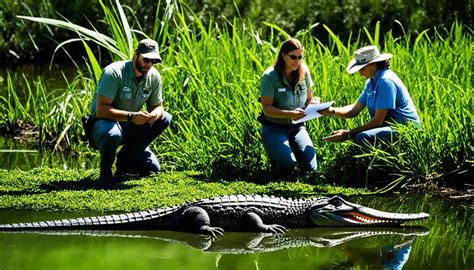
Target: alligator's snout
(339, 212)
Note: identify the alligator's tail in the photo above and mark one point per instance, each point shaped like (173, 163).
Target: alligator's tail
(151, 219)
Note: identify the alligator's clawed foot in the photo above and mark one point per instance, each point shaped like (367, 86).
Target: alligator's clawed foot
(213, 231)
(275, 229)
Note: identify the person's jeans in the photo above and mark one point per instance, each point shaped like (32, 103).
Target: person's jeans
(385, 133)
(288, 146)
(108, 135)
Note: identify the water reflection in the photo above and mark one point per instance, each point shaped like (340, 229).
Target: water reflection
(377, 247)
(447, 244)
(244, 243)
(17, 155)
(51, 77)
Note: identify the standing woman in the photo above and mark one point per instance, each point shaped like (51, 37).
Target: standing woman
(285, 90)
(384, 95)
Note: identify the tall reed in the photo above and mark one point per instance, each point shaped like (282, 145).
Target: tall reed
(211, 85)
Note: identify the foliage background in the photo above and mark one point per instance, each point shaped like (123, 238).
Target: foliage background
(22, 42)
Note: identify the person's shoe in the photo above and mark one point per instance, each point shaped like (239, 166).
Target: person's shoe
(119, 177)
(134, 168)
(305, 176)
(108, 179)
(105, 175)
(124, 166)
(121, 172)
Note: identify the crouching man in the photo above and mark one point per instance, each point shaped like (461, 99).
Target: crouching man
(123, 90)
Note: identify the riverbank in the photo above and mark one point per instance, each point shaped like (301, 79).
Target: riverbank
(80, 190)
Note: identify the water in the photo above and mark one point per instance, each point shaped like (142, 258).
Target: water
(444, 241)
(52, 77)
(14, 152)
(17, 155)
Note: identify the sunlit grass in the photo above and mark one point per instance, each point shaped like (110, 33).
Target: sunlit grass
(211, 85)
(74, 190)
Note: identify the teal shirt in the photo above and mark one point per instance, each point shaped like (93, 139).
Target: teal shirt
(118, 83)
(285, 97)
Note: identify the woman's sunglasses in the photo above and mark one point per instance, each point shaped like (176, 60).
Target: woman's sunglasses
(148, 60)
(294, 57)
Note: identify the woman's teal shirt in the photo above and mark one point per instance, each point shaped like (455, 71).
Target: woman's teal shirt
(273, 84)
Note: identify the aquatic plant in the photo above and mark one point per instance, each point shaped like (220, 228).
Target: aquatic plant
(211, 85)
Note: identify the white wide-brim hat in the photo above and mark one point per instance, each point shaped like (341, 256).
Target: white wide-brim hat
(365, 56)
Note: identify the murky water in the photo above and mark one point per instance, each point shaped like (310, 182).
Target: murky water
(52, 77)
(16, 155)
(444, 241)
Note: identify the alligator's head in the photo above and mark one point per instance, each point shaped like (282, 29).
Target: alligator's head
(338, 212)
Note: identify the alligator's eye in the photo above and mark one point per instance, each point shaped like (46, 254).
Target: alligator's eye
(336, 202)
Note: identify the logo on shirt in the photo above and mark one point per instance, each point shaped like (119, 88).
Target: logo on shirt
(126, 93)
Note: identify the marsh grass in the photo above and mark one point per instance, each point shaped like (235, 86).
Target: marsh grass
(211, 85)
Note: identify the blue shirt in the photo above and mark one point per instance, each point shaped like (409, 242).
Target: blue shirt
(385, 91)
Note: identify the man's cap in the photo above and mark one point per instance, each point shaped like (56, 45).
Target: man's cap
(148, 48)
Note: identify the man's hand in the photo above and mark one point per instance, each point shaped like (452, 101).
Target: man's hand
(153, 118)
(141, 117)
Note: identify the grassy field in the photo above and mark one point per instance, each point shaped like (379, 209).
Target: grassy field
(71, 190)
(211, 85)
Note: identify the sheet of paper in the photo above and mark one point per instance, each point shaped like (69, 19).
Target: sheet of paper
(312, 111)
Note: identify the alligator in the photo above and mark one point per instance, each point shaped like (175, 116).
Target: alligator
(235, 213)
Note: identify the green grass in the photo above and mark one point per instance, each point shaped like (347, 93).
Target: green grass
(211, 85)
(73, 190)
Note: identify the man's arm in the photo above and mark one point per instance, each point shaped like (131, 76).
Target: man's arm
(105, 110)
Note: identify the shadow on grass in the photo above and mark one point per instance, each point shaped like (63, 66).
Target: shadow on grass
(64, 185)
(290, 187)
(85, 184)
(263, 177)
(20, 192)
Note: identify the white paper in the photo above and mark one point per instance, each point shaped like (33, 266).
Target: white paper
(312, 111)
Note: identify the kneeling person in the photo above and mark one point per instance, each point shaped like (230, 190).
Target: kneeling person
(124, 87)
(385, 96)
(285, 90)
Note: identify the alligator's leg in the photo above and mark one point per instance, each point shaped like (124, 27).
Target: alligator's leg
(253, 220)
(197, 218)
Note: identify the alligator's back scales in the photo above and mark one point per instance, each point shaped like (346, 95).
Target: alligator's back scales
(223, 212)
(227, 211)
(234, 213)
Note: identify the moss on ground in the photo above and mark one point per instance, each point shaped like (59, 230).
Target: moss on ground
(74, 190)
